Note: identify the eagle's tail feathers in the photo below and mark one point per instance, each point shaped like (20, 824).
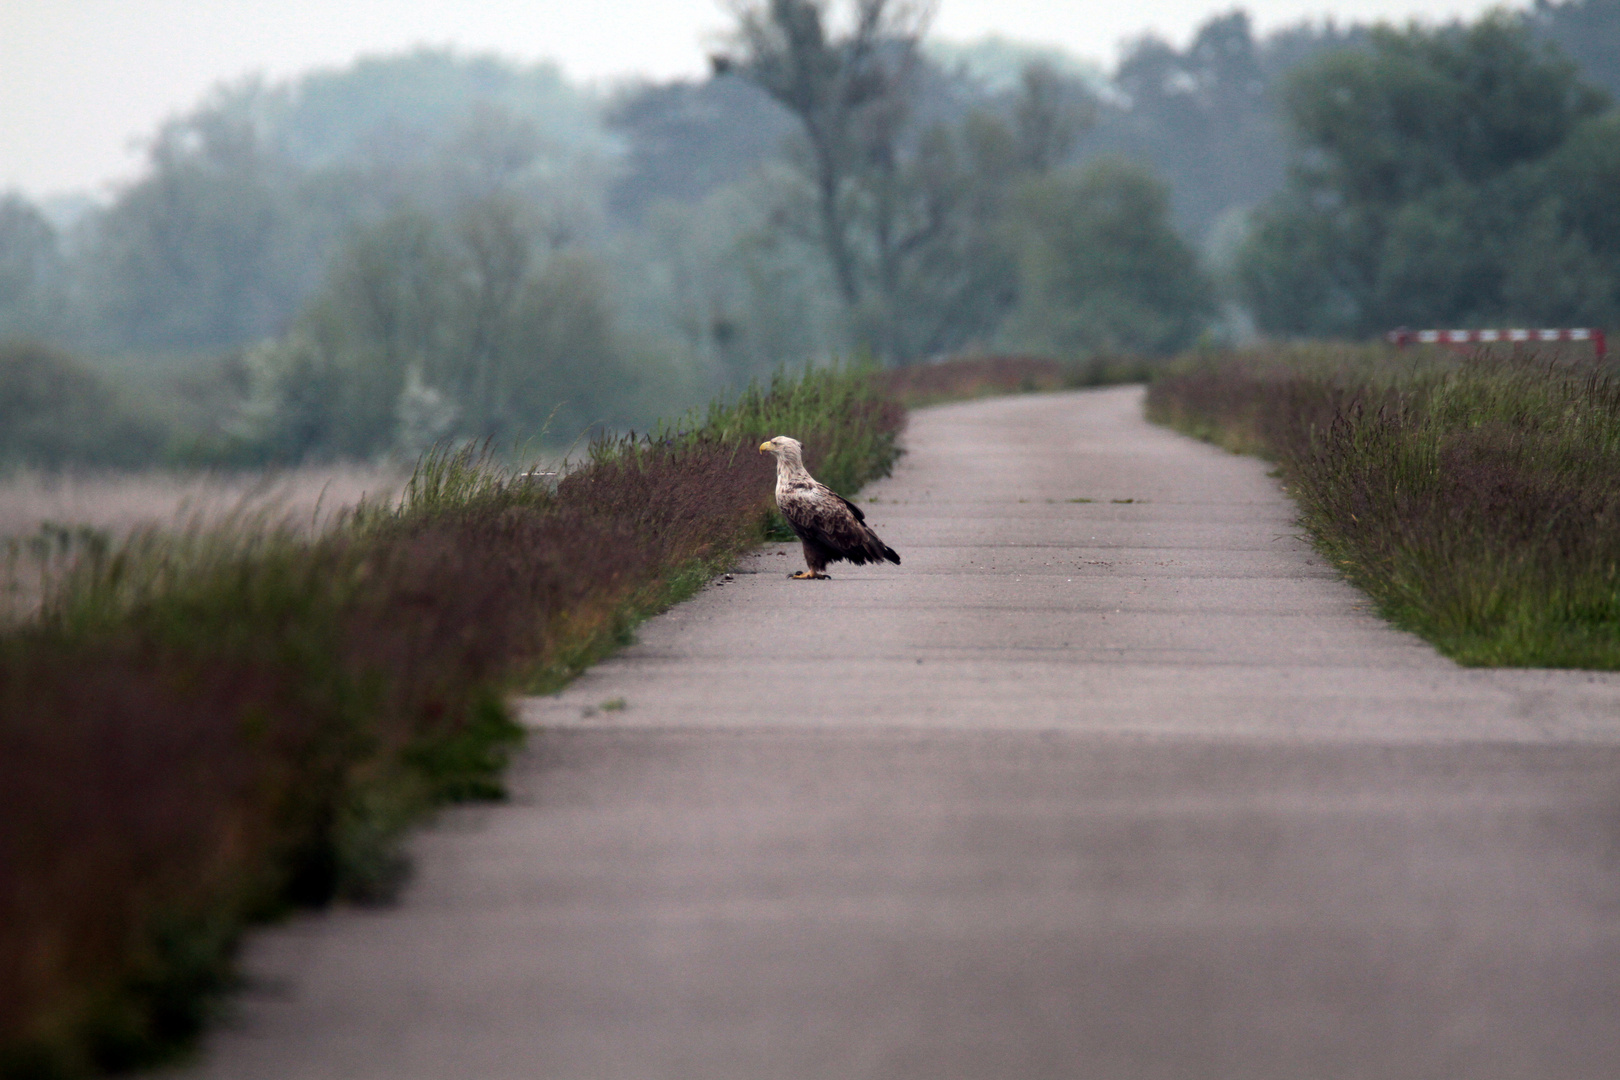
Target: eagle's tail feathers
(877, 550)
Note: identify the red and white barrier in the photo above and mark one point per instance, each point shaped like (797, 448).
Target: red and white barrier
(1470, 337)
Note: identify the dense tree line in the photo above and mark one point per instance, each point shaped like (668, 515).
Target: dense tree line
(1456, 176)
(433, 245)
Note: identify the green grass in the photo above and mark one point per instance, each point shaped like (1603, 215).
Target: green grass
(1476, 500)
(203, 730)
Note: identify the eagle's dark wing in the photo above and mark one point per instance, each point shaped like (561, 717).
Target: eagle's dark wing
(822, 517)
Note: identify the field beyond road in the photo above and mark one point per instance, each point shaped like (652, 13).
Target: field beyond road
(1111, 778)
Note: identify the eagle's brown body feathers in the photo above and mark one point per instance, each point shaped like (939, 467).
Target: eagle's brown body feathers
(828, 525)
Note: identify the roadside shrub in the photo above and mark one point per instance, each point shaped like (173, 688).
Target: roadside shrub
(1101, 268)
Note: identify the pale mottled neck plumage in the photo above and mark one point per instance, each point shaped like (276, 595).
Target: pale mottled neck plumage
(790, 467)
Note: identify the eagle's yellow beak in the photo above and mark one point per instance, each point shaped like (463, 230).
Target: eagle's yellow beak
(764, 446)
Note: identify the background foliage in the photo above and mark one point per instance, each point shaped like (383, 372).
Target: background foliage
(1463, 176)
(358, 260)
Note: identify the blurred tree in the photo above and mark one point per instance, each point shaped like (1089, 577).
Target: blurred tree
(1423, 186)
(946, 273)
(685, 140)
(1299, 271)
(32, 269)
(333, 386)
(54, 410)
(1204, 117)
(186, 258)
(848, 92)
(1584, 178)
(1103, 271)
(1588, 31)
(1050, 114)
(737, 284)
(1421, 109)
(399, 108)
(248, 197)
(908, 202)
(427, 329)
(1564, 261)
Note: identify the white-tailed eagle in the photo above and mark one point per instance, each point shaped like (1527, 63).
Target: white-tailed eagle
(828, 525)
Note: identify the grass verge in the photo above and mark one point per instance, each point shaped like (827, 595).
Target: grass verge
(1477, 500)
(205, 730)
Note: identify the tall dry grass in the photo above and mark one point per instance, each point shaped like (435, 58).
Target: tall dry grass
(1477, 499)
(201, 729)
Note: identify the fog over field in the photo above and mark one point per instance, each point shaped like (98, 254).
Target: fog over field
(355, 256)
(307, 498)
(117, 67)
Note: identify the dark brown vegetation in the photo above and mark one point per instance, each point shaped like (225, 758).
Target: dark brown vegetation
(1476, 499)
(202, 731)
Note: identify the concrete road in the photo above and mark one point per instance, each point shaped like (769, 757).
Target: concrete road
(1111, 778)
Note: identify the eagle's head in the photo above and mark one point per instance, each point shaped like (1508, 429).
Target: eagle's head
(782, 445)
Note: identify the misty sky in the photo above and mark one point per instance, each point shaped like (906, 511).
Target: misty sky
(82, 81)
